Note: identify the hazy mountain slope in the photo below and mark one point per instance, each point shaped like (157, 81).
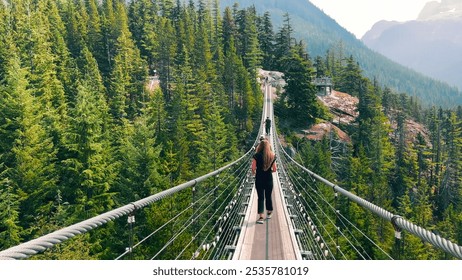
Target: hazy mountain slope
(308, 21)
(431, 45)
(321, 32)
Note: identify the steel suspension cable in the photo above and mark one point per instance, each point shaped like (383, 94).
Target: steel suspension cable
(335, 211)
(333, 223)
(321, 196)
(307, 241)
(312, 242)
(40, 244)
(203, 244)
(316, 216)
(397, 221)
(216, 211)
(307, 224)
(174, 218)
(192, 220)
(230, 216)
(154, 232)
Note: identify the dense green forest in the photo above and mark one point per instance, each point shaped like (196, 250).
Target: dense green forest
(82, 131)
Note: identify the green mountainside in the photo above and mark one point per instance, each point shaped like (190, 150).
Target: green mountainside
(321, 33)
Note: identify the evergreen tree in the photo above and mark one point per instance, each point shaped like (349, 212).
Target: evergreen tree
(89, 169)
(143, 19)
(300, 93)
(95, 37)
(36, 48)
(139, 176)
(372, 139)
(448, 228)
(436, 132)
(110, 31)
(404, 165)
(166, 8)
(166, 54)
(28, 164)
(76, 18)
(201, 56)
(4, 36)
(229, 31)
(217, 36)
(412, 247)
(449, 190)
(359, 184)
(128, 74)
(266, 39)
(284, 42)
(246, 104)
(423, 156)
(178, 121)
(157, 114)
(185, 29)
(350, 78)
(65, 66)
(250, 53)
(222, 147)
(89, 72)
(10, 111)
(10, 231)
(320, 66)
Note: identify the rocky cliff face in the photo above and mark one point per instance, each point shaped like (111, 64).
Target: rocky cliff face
(432, 44)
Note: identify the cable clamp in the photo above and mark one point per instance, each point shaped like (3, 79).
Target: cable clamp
(131, 216)
(396, 227)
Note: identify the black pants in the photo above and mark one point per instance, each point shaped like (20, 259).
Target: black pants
(264, 192)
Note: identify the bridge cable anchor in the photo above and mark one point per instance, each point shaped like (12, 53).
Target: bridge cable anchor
(395, 226)
(131, 221)
(335, 191)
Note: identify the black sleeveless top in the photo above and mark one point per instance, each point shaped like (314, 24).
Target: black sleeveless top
(262, 175)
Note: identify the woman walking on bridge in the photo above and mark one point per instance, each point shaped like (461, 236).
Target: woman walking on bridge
(263, 164)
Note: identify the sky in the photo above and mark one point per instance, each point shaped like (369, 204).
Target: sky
(358, 16)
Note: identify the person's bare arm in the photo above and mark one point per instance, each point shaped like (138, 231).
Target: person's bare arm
(254, 167)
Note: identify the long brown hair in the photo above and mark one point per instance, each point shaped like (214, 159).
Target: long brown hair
(268, 156)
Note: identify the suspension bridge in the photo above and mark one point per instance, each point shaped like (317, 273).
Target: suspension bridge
(219, 223)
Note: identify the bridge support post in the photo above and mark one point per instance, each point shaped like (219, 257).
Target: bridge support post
(131, 221)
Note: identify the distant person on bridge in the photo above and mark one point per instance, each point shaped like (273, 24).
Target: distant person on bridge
(263, 164)
(267, 125)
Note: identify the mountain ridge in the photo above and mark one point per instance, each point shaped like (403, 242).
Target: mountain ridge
(446, 9)
(431, 44)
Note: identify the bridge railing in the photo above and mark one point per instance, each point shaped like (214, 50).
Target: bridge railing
(229, 199)
(399, 223)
